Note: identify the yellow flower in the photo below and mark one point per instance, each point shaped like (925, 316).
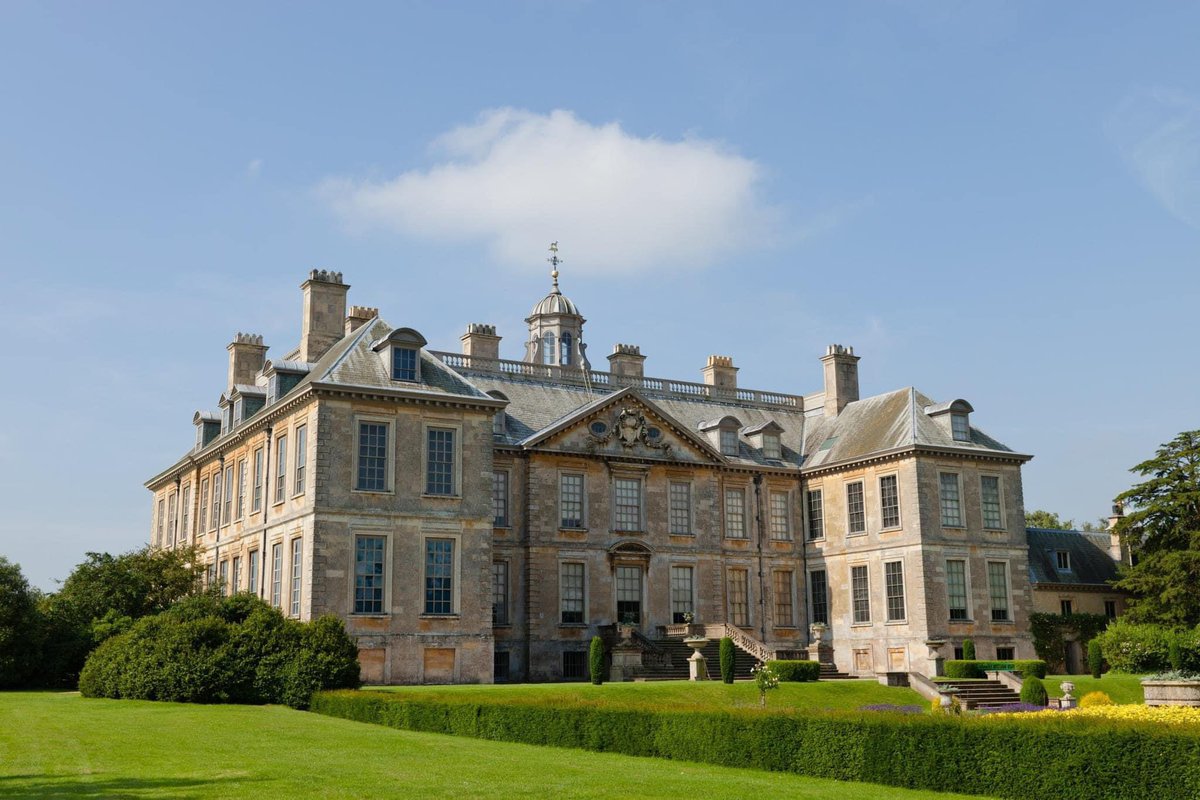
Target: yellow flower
(1179, 717)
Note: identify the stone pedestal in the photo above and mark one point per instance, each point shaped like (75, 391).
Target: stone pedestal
(697, 663)
(626, 661)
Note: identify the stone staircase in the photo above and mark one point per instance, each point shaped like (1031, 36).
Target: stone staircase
(983, 694)
(829, 672)
(679, 652)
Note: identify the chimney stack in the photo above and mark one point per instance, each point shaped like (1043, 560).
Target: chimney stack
(1118, 553)
(359, 316)
(841, 378)
(480, 341)
(720, 372)
(627, 360)
(324, 313)
(247, 354)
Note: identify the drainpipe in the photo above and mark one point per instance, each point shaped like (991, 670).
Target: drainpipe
(266, 505)
(762, 592)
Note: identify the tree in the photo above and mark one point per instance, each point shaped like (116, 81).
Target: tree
(596, 660)
(725, 652)
(20, 627)
(1162, 532)
(1047, 520)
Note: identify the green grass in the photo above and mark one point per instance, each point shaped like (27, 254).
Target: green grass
(63, 745)
(676, 695)
(1122, 688)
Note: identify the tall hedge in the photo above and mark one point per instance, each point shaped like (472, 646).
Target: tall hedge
(968, 650)
(962, 669)
(596, 660)
(1129, 647)
(1053, 758)
(727, 664)
(1095, 656)
(236, 650)
(788, 670)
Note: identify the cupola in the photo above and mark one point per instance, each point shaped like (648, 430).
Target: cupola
(555, 326)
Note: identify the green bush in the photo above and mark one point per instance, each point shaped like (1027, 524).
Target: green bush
(727, 665)
(968, 650)
(1095, 656)
(1133, 648)
(208, 650)
(596, 660)
(995, 757)
(1033, 691)
(963, 669)
(796, 670)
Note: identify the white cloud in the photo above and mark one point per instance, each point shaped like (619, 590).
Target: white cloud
(517, 180)
(1158, 133)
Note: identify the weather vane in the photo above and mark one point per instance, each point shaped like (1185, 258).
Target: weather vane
(554, 262)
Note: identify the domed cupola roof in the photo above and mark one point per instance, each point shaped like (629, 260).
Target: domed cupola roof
(556, 303)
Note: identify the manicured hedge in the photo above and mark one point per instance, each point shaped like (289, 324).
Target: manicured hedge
(963, 669)
(725, 652)
(1055, 758)
(796, 670)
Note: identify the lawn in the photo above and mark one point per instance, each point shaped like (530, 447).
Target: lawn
(676, 695)
(1122, 688)
(66, 746)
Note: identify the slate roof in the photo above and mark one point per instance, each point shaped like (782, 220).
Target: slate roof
(1091, 564)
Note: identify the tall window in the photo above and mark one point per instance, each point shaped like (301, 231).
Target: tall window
(771, 448)
(439, 465)
(739, 601)
(372, 457)
(956, 589)
(564, 348)
(215, 518)
(571, 593)
(301, 458)
(223, 578)
(856, 515)
(203, 505)
(280, 468)
(735, 513)
(816, 515)
(960, 428)
(570, 500)
(781, 527)
(404, 364)
(681, 508)
(228, 495)
(241, 489)
(998, 590)
(1062, 560)
(629, 594)
(369, 574)
(297, 556)
(548, 348)
(682, 601)
(256, 498)
(237, 574)
(628, 513)
(186, 514)
(1110, 609)
(889, 501)
(989, 493)
(785, 613)
(951, 505)
(255, 566)
(1064, 607)
(819, 591)
(439, 576)
(172, 516)
(499, 592)
(500, 498)
(161, 526)
(860, 594)
(729, 441)
(277, 575)
(893, 584)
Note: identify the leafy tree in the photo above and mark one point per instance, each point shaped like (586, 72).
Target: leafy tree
(1162, 532)
(1047, 520)
(20, 627)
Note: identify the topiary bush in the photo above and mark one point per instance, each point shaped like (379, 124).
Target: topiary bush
(962, 669)
(596, 660)
(1095, 699)
(968, 650)
(788, 670)
(1134, 648)
(727, 665)
(234, 650)
(1095, 657)
(1033, 691)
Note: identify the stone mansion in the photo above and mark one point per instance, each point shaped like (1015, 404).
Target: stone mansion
(474, 518)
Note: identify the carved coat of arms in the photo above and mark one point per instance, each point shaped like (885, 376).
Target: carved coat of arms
(630, 429)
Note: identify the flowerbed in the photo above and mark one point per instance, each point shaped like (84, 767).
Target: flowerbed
(1175, 717)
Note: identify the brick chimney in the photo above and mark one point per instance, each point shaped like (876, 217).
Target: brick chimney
(247, 354)
(481, 341)
(1119, 554)
(841, 378)
(324, 313)
(720, 372)
(627, 360)
(359, 316)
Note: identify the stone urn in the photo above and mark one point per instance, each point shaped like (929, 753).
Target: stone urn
(697, 663)
(1067, 701)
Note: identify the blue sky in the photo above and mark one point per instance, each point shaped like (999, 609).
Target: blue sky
(999, 202)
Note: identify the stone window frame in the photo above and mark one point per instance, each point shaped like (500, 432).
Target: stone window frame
(253, 565)
(395, 367)
(883, 526)
(747, 602)
(1008, 609)
(642, 605)
(1111, 603)
(790, 621)
(243, 469)
(772, 446)
(999, 499)
(185, 512)
(300, 458)
(296, 576)
(691, 600)
(275, 591)
(942, 500)
(735, 490)
(227, 506)
(808, 513)
(506, 620)
(202, 516)
(888, 597)
(214, 512)
(389, 460)
(583, 600)
(223, 577)
(785, 534)
(455, 426)
(258, 456)
(279, 482)
(506, 497)
(160, 526)
(235, 574)
(356, 533)
(671, 508)
(581, 474)
(866, 576)
(960, 427)
(862, 487)
(812, 597)
(1066, 605)
(639, 480)
(969, 606)
(455, 573)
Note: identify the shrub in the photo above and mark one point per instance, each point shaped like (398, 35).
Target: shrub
(968, 650)
(208, 650)
(726, 653)
(1030, 668)
(1095, 657)
(963, 669)
(1129, 647)
(1095, 699)
(1033, 691)
(796, 670)
(596, 660)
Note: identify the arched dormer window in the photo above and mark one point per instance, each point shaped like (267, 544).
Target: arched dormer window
(548, 348)
(725, 433)
(564, 347)
(499, 419)
(954, 418)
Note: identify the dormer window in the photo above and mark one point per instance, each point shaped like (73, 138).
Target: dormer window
(723, 434)
(404, 364)
(960, 429)
(729, 442)
(1062, 560)
(771, 447)
(499, 419)
(953, 418)
(765, 437)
